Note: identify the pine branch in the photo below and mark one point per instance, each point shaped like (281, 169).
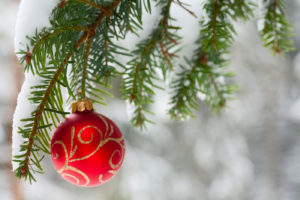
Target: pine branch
(277, 30)
(78, 52)
(102, 64)
(47, 98)
(153, 52)
(241, 9)
(183, 6)
(91, 4)
(205, 72)
(84, 70)
(24, 168)
(37, 62)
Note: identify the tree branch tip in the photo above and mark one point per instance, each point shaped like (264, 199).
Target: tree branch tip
(132, 97)
(28, 57)
(23, 171)
(203, 59)
(62, 4)
(186, 9)
(223, 104)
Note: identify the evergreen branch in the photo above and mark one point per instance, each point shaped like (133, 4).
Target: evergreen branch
(101, 62)
(63, 29)
(203, 77)
(91, 4)
(277, 31)
(216, 86)
(178, 2)
(241, 9)
(106, 43)
(107, 13)
(82, 36)
(138, 86)
(181, 104)
(37, 61)
(84, 71)
(38, 114)
(45, 98)
(215, 16)
(49, 35)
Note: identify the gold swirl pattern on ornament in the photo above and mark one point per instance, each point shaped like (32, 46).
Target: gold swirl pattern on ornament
(101, 178)
(56, 156)
(73, 151)
(67, 167)
(65, 151)
(112, 165)
(106, 126)
(87, 142)
(71, 176)
(102, 142)
(92, 135)
(111, 130)
(72, 141)
(114, 172)
(70, 168)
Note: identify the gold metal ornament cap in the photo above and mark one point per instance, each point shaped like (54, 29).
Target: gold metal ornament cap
(82, 105)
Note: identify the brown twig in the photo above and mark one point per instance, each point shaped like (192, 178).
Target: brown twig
(185, 8)
(105, 42)
(276, 45)
(166, 53)
(91, 4)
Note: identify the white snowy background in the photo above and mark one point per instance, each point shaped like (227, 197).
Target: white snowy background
(249, 152)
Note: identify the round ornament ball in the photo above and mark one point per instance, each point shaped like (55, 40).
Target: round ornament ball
(87, 148)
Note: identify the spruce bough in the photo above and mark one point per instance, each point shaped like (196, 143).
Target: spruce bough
(78, 53)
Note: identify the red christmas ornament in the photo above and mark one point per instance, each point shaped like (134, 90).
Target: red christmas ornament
(87, 149)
